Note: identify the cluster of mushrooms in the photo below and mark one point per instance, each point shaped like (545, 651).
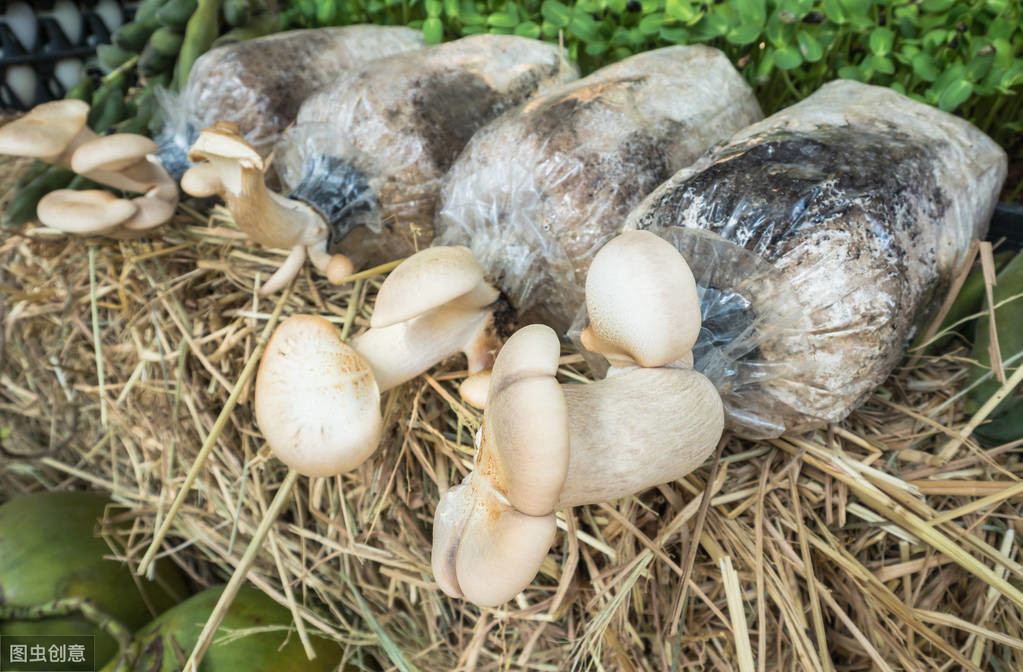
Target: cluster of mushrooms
(525, 175)
(56, 133)
(543, 446)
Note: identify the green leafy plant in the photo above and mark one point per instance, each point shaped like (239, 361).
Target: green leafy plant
(964, 57)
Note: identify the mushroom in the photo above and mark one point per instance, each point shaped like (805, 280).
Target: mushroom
(316, 401)
(317, 398)
(234, 169)
(89, 211)
(50, 132)
(122, 161)
(202, 181)
(94, 211)
(56, 133)
(544, 446)
(434, 304)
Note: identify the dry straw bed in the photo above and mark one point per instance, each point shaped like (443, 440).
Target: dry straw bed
(885, 543)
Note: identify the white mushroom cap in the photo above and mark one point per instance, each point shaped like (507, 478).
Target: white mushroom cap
(500, 551)
(84, 212)
(642, 301)
(317, 403)
(46, 131)
(227, 153)
(201, 180)
(524, 444)
(111, 152)
(428, 279)
(492, 533)
(152, 212)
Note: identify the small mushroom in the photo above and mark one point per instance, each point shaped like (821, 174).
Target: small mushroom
(50, 132)
(326, 393)
(121, 160)
(202, 181)
(433, 305)
(266, 217)
(642, 303)
(89, 211)
(544, 446)
(316, 401)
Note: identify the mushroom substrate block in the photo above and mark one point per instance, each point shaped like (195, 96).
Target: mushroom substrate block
(859, 204)
(539, 190)
(369, 150)
(260, 84)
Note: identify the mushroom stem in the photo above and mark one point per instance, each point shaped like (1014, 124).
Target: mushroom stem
(287, 271)
(268, 218)
(402, 351)
(621, 440)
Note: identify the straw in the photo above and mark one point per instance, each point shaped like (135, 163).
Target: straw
(854, 546)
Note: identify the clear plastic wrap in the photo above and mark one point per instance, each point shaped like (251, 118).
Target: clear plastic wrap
(537, 192)
(370, 150)
(259, 84)
(863, 203)
(745, 303)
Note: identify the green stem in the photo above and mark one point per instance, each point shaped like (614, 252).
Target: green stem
(122, 68)
(72, 606)
(990, 119)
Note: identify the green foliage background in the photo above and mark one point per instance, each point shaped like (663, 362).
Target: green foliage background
(964, 57)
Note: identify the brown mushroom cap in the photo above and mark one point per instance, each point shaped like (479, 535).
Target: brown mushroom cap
(46, 131)
(111, 152)
(317, 403)
(221, 141)
(85, 212)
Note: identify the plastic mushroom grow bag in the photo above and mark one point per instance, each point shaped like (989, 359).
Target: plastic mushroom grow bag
(368, 152)
(820, 237)
(260, 84)
(536, 193)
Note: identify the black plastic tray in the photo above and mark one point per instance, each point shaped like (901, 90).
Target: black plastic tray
(1007, 224)
(51, 46)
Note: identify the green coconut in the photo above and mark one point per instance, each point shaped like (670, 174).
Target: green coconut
(49, 551)
(256, 635)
